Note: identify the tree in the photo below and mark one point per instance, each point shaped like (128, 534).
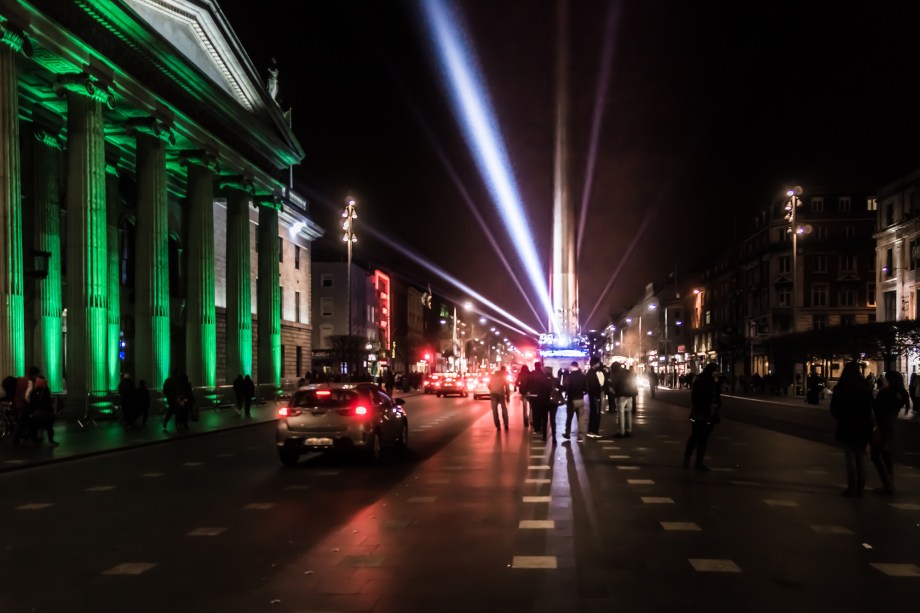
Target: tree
(348, 349)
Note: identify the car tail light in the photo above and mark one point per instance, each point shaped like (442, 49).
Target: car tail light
(323, 393)
(360, 410)
(288, 412)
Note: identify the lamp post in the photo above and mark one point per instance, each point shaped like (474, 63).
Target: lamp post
(791, 207)
(349, 226)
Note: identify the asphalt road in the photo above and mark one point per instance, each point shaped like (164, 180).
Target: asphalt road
(470, 518)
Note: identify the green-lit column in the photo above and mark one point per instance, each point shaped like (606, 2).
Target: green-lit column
(12, 316)
(239, 289)
(200, 326)
(87, 253)
(47, 186)
(112, 212)
(269, 297)
(151, 298)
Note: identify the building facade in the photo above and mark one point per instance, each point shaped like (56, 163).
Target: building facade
(130, 194)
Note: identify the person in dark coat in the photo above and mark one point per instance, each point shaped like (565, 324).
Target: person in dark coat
(171, 388)
(537, 418)
(238, 393)
(595, 381)
(185, 402)
(652, 381)
(126, 398)
(576, 386)
(142, 402)
(705, 402)
(249, 392)
(521, 385)
(851, 406)
(891, 398)
(542, 385)
(42, 410)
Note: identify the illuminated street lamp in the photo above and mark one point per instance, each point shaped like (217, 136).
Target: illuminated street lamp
(792, 206)
(349, 237)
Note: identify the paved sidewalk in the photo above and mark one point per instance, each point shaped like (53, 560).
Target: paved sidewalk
(108, 436)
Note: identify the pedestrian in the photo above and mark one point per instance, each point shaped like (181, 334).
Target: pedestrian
(652, 381)
(813, 384)
(705, 402)
(142, 401)
(521, 384)
(623, 393)
(914, 380)
(170, 393)
(23, 391)
(851, 406)
(41, 408)
(613, 380)
(546, 399)
(126, 398)
(632, 387)
(889, 401)
(185, 403)
(594, 384)
(249, 392)
(576, 387)
(238, 393)
(389, 382)
(536, 418)
(499, 394)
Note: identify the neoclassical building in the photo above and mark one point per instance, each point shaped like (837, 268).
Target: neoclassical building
(147, 220)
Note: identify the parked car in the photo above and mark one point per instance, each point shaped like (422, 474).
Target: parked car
(432, 382)
(340, 416)
(481, 390)
(455, 386)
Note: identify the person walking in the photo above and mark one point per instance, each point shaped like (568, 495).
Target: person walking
(499, 394)
(543, 386)
(536, 419)
(126, 398)
(170, 393)
(238, 393)
(142, 402)
(632, 387)
(889, 401)
(21, 407)
(389, 382)
(652, 381)
(594, 384)
(576, 386)
(913, 391)
(521, 385)
(185, 402)
(613, 383)
(42, 410)
(622, 391)
(249, 392)
(851, 406)
(705, 402)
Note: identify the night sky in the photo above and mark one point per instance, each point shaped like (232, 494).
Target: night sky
(710, 113)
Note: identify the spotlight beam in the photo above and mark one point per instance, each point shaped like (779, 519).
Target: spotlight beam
(597, 118)
(470, 103)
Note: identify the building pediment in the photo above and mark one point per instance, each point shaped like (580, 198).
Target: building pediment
(198, 30)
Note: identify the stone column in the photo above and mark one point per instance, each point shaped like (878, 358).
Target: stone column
(46, 188)
(151, 296)
(269, 297)
(200, 324)
(112, 213)
(239, 289)
(12, 316)
(87, 252)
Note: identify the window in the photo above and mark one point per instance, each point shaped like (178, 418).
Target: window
(370, 314)
(280, 249)
(817, 205)
(870, 294)
(281, 302)
(871, 204)
(785, 264)
(821, 232)
(282, 361)
(297, 257)
(888, 269)
(847, 319)
(818, 322)
(890, 299)
(325, 279)
(849, 232)
(297, 308)
(820, 263)
(325, 336)
(914, 254)
(784, 296)
(819, 295)
(325, 307)
(298, 360)
(913, 203)
(889, 214)
(847, 297)
(848, 263)
(844, 204)
(708, 318)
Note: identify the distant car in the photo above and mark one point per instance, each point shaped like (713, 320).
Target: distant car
(432, 382)
(452, 386)
(340, 416)
(482, 388)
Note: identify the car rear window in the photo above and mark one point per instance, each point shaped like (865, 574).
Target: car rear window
(325, 399)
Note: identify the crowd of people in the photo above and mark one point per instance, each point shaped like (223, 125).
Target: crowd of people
(31, 410)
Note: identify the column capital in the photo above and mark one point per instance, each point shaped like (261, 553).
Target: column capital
(268, 201)
(152, 126)
(48, 137)
(243, 183)
(15, 37)
(199, 157)
(112, 161)
(85, 84)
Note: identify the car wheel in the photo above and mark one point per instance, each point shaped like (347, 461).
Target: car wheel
(288, 457)
(403, 441)
(465, 394)
(374, 447)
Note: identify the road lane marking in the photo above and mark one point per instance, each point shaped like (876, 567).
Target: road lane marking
(536, 524)
(705, 565)
(538, 498)
(897, 570)
(657, 500)
(781, 503)
(206, 531)
(130, 568)
(100, 488)
(831, 530)
(680, 526)
(34, 506)
(258, 506)
(640, 482)
(534, 562)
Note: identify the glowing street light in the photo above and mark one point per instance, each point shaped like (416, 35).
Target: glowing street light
(350, 239)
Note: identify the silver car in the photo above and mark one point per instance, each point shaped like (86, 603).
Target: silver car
(347, 416)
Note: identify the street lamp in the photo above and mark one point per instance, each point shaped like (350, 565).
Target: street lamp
(792, 206)
(349, 237)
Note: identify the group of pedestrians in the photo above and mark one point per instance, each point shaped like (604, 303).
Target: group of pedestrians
(868, 420)
(31, 407)
(135, 401)
(244, 391)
